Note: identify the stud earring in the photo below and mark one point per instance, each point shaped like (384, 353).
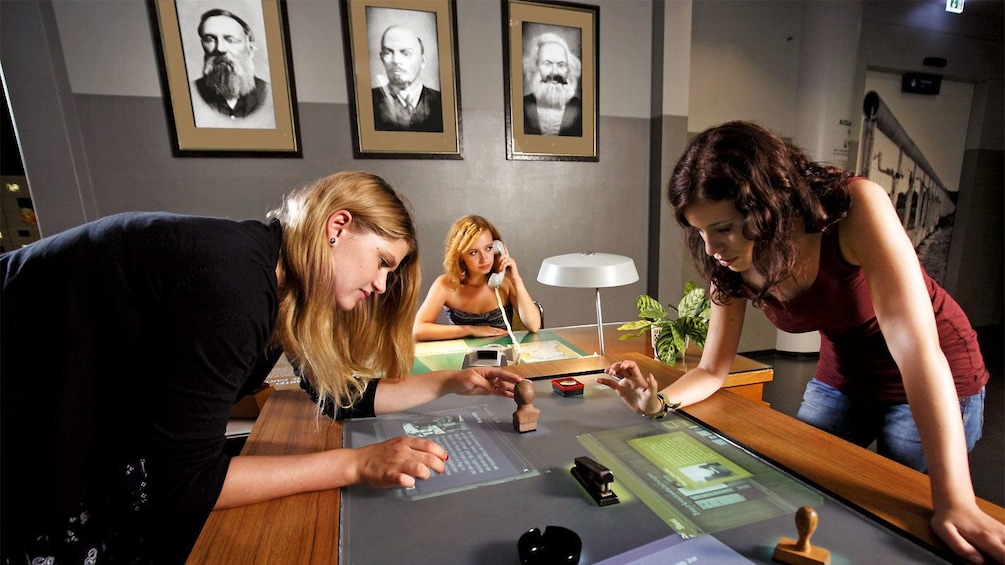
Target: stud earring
(331, 241)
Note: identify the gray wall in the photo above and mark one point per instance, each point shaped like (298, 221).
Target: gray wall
(111, 102)
(87, 102)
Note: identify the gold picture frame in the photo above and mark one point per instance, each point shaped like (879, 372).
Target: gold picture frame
(259, 118)
(572, 29)
(396, 118)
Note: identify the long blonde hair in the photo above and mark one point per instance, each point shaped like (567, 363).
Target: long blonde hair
(461, 237)
(314, 334)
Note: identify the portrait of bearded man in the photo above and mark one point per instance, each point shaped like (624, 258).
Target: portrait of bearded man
(229, 94)
(551, 75)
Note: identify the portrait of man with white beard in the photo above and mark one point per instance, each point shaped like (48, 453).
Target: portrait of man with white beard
(229, 94)
(551, 104)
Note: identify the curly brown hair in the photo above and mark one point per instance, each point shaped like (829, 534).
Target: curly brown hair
(772, 183)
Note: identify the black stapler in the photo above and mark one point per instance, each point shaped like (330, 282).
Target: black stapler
(596, 479)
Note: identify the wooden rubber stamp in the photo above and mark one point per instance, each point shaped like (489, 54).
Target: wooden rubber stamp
(525, 417)
(800, 552)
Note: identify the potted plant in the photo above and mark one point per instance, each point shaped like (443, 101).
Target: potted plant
(670, 334)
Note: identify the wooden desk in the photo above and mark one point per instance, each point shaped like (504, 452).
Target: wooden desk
(304, 528)
(746, 376)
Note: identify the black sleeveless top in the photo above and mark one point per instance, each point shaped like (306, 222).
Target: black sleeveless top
(492, 318)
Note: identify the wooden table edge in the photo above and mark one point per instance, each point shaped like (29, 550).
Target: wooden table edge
(893, 493)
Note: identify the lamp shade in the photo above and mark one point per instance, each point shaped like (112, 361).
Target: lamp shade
(588, 270)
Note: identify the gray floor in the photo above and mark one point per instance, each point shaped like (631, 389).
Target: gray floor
(987, 460)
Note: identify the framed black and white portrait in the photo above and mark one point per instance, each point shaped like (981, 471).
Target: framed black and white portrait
(550, 71)
(228, 73)
(402, 72)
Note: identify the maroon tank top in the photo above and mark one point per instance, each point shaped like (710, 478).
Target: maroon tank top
(854, 357)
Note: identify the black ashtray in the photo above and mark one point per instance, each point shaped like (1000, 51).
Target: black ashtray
(557, 545)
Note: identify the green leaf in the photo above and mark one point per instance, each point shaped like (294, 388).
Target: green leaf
(693, 303)
(690, 322)
(638, 329)
(649, 308)
(696, 329)
(666, 350)
(636, 325)
(679, 335)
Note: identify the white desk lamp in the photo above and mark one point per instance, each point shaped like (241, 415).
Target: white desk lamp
(589, 270)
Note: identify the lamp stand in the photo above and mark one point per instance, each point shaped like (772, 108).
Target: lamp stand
(600, 325)
(588, 270)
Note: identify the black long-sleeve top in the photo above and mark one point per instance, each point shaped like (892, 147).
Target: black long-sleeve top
(125, 343)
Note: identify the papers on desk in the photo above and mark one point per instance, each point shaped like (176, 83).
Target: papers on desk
(449, 354)
(546, 351)
(675, 549)
(444, 347)
(531, 352)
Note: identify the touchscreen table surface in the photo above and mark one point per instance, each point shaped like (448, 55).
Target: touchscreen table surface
(686, 493)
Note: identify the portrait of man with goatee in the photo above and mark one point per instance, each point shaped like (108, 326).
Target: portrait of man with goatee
(551, 105)
(401, 101)
(229, 94)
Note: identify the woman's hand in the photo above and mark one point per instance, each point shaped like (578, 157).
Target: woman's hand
(482, 380)
(397, 394)
(397, 462)
(508, 265)
(638, 391)
(485, 331)
(967, 530)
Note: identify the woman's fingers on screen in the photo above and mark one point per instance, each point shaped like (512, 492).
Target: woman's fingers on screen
(399, 461)
(432, 448)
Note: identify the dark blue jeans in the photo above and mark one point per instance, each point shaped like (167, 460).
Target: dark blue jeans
(891, 426)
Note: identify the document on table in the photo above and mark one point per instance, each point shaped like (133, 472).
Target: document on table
(480, 454)
(673, 550)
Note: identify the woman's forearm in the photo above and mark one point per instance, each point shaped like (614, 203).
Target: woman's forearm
(526, 308)
(396, 394)
(696, 385)
(252, 479)
(430, 331)
(935, 406)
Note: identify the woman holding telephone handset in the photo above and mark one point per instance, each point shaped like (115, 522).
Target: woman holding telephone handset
(480, 285)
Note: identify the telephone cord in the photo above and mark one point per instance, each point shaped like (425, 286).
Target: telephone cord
(509, 330)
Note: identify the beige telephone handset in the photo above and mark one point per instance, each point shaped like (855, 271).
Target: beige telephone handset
(496, 279)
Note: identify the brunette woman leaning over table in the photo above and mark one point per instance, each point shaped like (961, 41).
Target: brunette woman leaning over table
(816, 248)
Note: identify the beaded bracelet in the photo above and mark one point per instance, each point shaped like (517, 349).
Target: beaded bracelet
(666, 409)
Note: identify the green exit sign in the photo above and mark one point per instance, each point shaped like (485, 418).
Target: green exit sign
(954, 6)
